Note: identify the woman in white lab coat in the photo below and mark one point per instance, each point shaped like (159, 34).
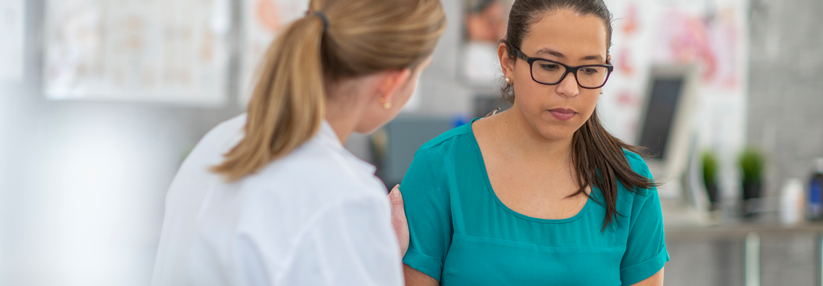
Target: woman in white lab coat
(271, 197)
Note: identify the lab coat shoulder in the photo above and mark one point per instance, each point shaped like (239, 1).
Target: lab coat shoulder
(218, 141)
(334, 212)
(314, 171)
(194, 176)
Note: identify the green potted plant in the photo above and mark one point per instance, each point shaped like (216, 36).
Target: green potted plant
(709, 162)
(751, 162)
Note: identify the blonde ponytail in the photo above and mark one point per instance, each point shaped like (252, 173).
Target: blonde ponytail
(356, 37)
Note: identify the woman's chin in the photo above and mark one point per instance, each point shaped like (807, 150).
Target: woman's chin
(554, 131)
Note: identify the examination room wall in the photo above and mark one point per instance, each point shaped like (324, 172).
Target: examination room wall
(785, 87)
(82, 184)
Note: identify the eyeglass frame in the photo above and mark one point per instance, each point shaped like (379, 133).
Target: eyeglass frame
(569, 69)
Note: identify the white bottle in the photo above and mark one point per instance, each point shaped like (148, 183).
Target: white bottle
(792, 202)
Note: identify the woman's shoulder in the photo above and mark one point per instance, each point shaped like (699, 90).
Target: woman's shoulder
(636, 162)
(446, 141)
(640, 167)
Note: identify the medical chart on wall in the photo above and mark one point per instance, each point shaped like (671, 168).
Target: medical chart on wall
(262, 20)
(173, 51)
(12, 13)
(709, 35)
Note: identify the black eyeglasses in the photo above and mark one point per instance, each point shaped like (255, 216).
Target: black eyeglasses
(550, 72)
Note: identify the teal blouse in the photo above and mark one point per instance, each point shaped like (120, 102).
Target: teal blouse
(462, 234)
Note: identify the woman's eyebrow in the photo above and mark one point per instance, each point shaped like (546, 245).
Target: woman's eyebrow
(551, 52)
(590, 58)
(560, 55)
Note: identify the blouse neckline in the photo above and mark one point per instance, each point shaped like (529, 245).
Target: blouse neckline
(485, 175)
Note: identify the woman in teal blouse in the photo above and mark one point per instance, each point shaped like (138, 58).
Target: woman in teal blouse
(540, 194)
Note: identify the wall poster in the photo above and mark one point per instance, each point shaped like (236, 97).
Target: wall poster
(172, 51)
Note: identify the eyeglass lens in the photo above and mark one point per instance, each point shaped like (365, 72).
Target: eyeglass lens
(551, 73)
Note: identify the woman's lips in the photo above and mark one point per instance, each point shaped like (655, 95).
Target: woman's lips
(563, 114)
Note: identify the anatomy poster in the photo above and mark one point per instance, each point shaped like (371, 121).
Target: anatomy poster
(709, 35)
(262, 20)
(11, 39)
(173, 51)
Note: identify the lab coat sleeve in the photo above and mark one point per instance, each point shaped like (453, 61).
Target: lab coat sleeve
(350, 244)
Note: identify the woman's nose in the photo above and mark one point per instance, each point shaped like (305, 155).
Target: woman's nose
(568, 86)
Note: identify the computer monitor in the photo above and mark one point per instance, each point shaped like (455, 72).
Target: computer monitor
(483, 104)
(394, 146)
(666, 124)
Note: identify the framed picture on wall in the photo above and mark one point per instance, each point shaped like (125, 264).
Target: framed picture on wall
(172, 51)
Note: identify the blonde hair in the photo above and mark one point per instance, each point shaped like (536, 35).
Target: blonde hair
(362, 37)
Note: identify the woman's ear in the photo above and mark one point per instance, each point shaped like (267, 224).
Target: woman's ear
(506, 64)
(391, 81)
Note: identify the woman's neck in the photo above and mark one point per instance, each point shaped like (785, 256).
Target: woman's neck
(343, 128)
(342, 121)
(521, 135)
(343, 108)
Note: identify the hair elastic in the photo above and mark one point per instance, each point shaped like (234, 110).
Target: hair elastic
(324, 19)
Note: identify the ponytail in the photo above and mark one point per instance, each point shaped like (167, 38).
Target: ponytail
(335, 40)
(288, 102)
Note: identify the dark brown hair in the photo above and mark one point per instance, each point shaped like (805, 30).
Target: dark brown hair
(597, 156)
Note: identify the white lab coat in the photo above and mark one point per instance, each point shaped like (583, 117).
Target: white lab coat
(318, 216)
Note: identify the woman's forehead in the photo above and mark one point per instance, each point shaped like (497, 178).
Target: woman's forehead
(568, 33)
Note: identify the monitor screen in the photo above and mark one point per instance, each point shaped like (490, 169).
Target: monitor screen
(660, 110)
(405, 135)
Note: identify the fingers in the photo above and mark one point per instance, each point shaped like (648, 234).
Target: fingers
(398, 219)
(396, 199)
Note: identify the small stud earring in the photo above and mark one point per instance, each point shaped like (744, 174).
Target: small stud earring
(508, 80)
(601, 92)
(386, 104)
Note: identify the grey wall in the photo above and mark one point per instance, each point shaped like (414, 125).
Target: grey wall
(786, 86)
(82, 184)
